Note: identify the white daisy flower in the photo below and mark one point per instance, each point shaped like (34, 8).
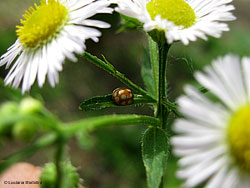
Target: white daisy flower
(214, 137)
(51, 32)
(183, 20)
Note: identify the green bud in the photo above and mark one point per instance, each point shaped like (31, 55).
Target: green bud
(70, 178)
(24, 130)
(30, 106)
(48, 176)
(7, 109)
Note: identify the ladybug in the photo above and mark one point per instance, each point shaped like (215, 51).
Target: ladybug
(122, 96)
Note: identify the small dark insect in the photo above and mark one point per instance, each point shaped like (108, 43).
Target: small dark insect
(122, 96)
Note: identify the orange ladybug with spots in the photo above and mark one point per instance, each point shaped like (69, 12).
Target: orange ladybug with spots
(122, 96)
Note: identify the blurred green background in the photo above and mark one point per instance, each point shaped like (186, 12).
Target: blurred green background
(113, 157)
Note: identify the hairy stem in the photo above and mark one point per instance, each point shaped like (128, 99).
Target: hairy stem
(162, 111)
(59, 159)
(92, 124)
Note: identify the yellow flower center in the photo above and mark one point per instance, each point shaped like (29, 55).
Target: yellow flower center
(177, 11)
(42, 23)
(239, 137)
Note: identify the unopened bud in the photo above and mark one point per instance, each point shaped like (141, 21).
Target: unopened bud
(24, 130)
(70, 178)
(48, 176)
(8, 108)
(30, 106)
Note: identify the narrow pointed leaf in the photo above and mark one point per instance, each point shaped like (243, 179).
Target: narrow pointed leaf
(172, 107)
(154, 58)
(129, 23)
(154, 155)
(106, 101)
(147, 74)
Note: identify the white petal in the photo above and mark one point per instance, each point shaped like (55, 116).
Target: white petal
(47, 59)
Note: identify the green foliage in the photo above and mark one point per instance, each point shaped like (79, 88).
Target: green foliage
(97, 103)
(84, 140)
(101, 102)
(172, 107)
(22, 120)
(7, 109)
(9, 93)
(29, 106)
(154, 58)
(91, 124)
(154, 155)
(129, 23)
(24, 130)
(108, 67)
(48, 176)
(147, 74)
(70, 177)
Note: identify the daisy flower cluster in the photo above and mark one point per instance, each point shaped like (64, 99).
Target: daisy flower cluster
(213, 141)
(57, 29)
(181, 20)
(51, 32)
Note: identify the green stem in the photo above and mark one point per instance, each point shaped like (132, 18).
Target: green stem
(8, 121)
(59, 159)
(162, 111)
(91, 124)
(45, 141)
(110, 69)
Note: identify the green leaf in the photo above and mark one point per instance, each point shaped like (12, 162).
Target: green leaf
(190, 65)
(97, 103)
(154, 155)
(154, 58)
(106, 101)
(129, 23)
(147, 74)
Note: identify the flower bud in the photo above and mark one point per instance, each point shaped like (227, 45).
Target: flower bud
(70, 178)
(24, 130)
(30, 106)
(7, 109)
(48, 176)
